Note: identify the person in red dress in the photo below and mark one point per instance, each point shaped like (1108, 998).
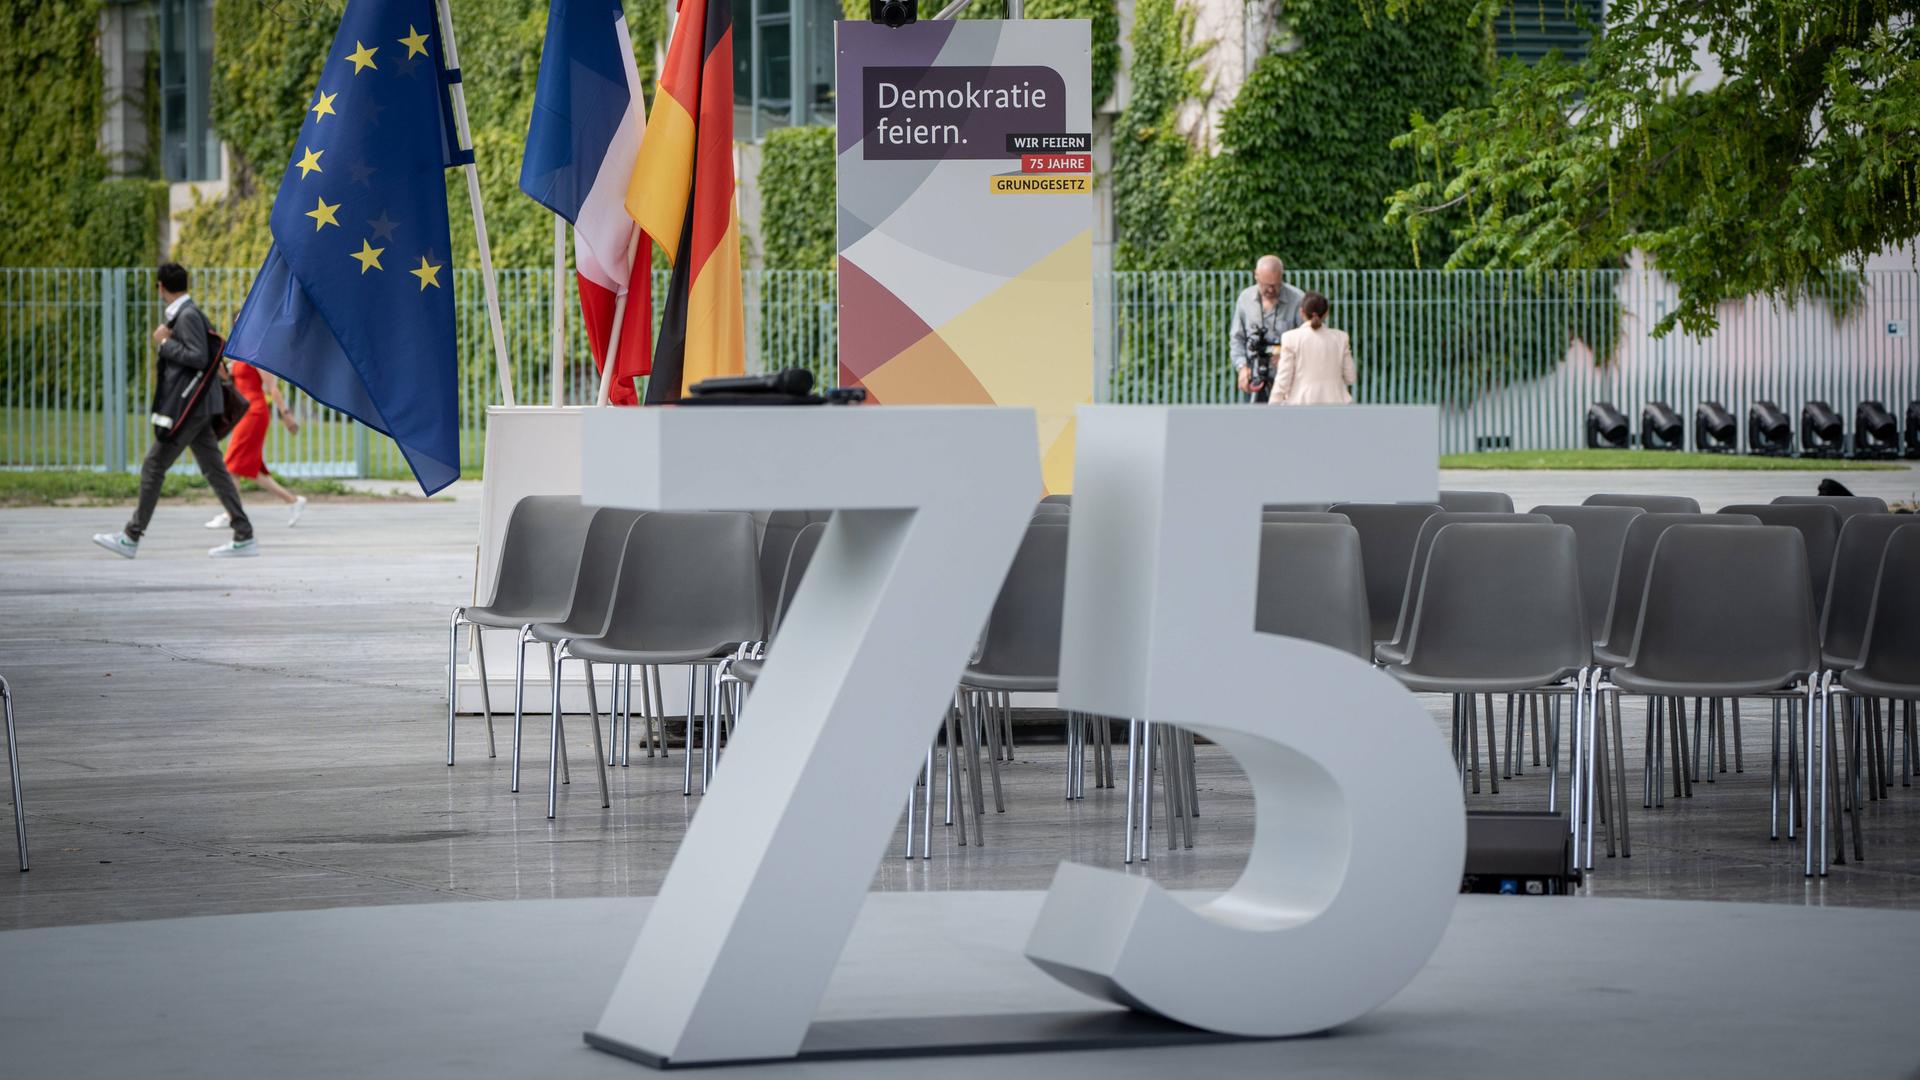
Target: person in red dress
(250, 437)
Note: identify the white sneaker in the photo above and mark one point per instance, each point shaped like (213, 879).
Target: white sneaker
(118, 544)
(299, 507)
(236, 549)
(219, 521)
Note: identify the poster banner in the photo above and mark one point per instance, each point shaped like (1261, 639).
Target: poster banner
(966, 218)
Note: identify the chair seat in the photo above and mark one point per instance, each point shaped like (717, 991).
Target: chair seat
(1014, 684)
(1627, 680)
(1607, 658)
(592, 649)
(1511, 684)
(551, 632)
(1835, 662)
(747, 671)
(510, 617)
(1862, 683)
(1390, 652)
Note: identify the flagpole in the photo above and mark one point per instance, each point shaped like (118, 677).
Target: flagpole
(559, 306)
(620, 316)
(458, 95)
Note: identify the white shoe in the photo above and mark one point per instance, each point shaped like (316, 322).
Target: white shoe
(299, 507)
(118, 544)
(219, 521)
(236, 549)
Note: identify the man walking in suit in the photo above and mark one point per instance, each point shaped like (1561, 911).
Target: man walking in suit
(184, 350)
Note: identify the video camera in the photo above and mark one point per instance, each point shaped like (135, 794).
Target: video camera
(1260, 360)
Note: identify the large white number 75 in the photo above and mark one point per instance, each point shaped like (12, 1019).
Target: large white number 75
(1359, 833)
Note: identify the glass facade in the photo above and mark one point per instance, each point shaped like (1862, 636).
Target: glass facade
(189, 149)
(782, 64)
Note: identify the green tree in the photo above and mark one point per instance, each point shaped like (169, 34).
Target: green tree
(1803, 158)
(1307, 149)
(796, 198)
(1148, 149)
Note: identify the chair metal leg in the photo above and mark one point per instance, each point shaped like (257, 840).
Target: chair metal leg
(486, 702)
(599, 750)
(13, 775)
(956, 777)
(1473, 740)
(1146, 788)
(686, 744)
(1773, 799)
(1493, 751)
(926, 809)
(556, 657)
(453, 657)
(990, 724)
(1739, 753)
(1620, 770)
(520, 698)
(1133, 755)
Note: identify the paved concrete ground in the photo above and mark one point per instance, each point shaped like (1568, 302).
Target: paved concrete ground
(208, 737)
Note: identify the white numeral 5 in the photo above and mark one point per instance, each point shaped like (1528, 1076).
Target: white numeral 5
(1359, 830)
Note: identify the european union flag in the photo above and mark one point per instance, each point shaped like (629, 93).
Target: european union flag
(354, 303)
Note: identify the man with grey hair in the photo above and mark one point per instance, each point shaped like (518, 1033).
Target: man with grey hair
(1265, 310)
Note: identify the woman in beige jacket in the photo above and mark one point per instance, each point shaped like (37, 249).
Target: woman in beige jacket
(1315, 363)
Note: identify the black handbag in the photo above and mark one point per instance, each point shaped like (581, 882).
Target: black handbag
(233, 405)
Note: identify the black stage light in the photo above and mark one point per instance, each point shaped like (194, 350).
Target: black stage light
(1913, 429)
(1660, 428)
(1768, 430)
(893, 13)
(1875, 432)
(1714, 429)
(1606, 427)
(1821, 432)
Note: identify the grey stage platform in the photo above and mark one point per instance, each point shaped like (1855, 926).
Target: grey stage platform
(1581, 987)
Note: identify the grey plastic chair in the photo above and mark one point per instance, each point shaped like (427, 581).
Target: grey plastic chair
(1851, 584)
(1302, 517)
(1846, 505)
(1476, 502)
(539, 560)
(777, 536)
(1819, 526)
(1889, 667)
(1726, 613)
(1020, 651)
(1297, 508)
(1388, 532)
(1497, 612)
(1630, 581)
(1393, 650)
(1312, 584)
(1601, 532)
(799, 557)
(598, 576)
(688, 593)
(13, 774)
(1652, 504)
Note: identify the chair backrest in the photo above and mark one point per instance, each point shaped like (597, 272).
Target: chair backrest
(1417, 563)
(600, 562)
(1846, 505)
(1892, 649)
(1601, 532)
(1301, 517)
(1500, 600)
(1636, 555)
(540, 554)
(776, 544)
(1476, 502)
(1023, 631)
(1063, 500)
(1388, 532)
(1313, 584)
(1850, 584)
(688, 581)
(1726, 606)
(1652, 504)
(1297, 508)
(797, 562)
(1819, 526)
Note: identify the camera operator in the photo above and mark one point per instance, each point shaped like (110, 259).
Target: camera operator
(1265, 310)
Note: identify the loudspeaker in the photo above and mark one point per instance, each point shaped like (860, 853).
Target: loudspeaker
(1518, 853)
(1606, 427)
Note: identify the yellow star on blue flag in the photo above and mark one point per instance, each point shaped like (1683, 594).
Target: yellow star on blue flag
(324, 313)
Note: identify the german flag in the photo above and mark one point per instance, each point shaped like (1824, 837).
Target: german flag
(682, 194)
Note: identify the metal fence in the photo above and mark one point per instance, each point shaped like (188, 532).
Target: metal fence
(1513, 359)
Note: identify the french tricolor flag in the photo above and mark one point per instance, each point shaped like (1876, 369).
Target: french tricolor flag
(588, 114)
